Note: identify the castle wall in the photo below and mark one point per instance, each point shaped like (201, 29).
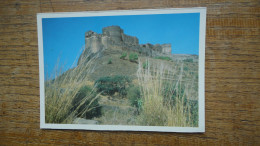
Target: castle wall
(94, 42)
(129, 40)
(158, 48)
(166, 48)
(114, 32)
(105, 41)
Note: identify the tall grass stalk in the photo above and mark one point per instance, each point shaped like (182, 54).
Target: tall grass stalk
(60, 91)
(159, 108)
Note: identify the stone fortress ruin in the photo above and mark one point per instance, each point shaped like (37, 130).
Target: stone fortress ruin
(113, 38)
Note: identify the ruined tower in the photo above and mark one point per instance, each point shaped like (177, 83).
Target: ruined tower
(114, 33)
(93, 41)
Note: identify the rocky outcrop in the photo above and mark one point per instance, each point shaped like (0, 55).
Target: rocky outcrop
(113, 37)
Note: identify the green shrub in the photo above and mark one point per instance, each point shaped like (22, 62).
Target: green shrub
(188, 60)
(133, 57)
(109, 85)
(145, 65)
(109, 61)
(186, 68)
(123, 56)
(86, 98)
(134, 96)
(163, 58)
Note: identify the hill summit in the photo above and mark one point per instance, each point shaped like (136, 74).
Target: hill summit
(114, 38)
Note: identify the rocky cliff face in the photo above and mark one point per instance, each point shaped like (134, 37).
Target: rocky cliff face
(113, 37)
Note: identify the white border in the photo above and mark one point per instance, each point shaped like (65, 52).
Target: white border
(202, 33)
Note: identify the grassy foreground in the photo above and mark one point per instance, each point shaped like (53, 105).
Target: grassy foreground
(164, 93)
(61, 92)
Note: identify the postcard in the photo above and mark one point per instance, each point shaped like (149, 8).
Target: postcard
(123, 70)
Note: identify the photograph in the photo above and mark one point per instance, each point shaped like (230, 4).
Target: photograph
(123, 70)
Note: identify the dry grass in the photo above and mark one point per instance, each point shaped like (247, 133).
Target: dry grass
(60, 91)
(158, 107)
(158, 82)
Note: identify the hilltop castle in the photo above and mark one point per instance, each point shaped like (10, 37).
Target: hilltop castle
(113, 37)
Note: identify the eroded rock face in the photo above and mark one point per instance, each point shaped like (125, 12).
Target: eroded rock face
(113, 37)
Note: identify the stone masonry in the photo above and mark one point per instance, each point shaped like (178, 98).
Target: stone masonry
(114, 37)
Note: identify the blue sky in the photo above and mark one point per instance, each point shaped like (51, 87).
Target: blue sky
(64, 37)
